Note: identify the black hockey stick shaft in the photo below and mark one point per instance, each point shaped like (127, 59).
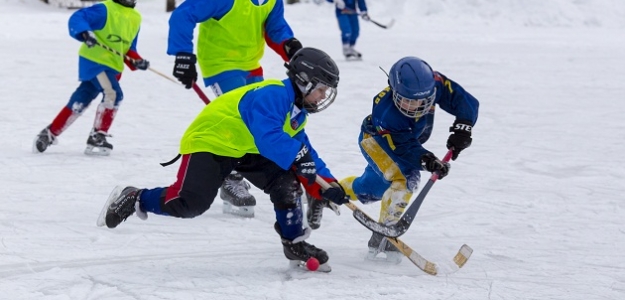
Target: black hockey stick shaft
(353, 12)
(405, 221)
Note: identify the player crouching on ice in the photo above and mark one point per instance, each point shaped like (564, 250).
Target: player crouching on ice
(392, 138)
(257, 130)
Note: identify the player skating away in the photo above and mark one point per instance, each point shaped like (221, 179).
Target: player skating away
(112, 24)
(347, 13)
(257, 130)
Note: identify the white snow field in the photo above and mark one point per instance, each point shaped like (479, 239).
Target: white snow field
(538, 196)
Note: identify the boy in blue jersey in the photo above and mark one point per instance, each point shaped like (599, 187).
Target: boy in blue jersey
(392, 138)
(347, 16)
(112, 24)
(257, 130)
(230, 45)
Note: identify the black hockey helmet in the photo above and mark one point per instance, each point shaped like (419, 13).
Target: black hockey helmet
(127, 3)
(311, 69)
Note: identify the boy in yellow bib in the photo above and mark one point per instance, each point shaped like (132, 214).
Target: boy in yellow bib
(113, 24)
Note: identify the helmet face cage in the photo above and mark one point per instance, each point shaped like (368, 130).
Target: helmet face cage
(413, 85)
(317, 95)
(414, 108)
(316, 75)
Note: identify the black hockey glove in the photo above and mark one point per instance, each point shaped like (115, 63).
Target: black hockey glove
(432, 164)
(291, 46)
(88, 37)
(140, 64)
(460, 138)
(304, 165)
(184, 69)
(335, 194)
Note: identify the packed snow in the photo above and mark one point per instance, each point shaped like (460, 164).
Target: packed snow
(538, 195)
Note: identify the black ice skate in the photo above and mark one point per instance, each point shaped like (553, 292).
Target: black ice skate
(121, 204)
(299, 251)
(43, 140)
(378, 244)
(97, 144)
(237, 200)
(315, 210)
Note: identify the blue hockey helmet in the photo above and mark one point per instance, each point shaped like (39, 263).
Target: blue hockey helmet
(413, 85)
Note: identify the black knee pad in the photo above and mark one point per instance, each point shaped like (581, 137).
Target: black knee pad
(188, 206)
(284, 191)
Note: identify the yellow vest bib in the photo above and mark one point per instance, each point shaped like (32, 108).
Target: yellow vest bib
(122, 25)
(219, 128)
(236, 42)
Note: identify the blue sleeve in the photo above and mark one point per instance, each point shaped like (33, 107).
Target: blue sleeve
(183, 19)
(455, 100)
(362, 7)
(276, 27)
(87, 19)
(264, 111)
(322, 169)
(133, 46)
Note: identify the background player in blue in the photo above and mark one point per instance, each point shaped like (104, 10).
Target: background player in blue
(113, 24)
(258, 130)
(392, 138)
(347, 16)
(230, 45)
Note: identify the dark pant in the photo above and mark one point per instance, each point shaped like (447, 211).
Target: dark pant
(201, 174)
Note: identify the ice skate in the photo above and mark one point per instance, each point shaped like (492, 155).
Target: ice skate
(298, 251)
(380, 249)
(314, 213)
(351, 54)
(97, 144)
(43, 140)
(121, 204)
(237, 200)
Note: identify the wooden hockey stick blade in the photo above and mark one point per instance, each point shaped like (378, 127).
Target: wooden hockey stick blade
(463, 255)
(416, 258)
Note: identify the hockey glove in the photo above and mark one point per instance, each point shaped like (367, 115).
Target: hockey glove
(304, 165)
(184, 69)
(460, 138)
(291, 46)
(365, 16)
(335, 194)
(140, 64)
(432, 164)
(88, 37)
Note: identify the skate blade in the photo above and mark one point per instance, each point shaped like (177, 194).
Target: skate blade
(101, 222)
(298, 264)
(387, 257)
(241, 211)
(353, 58)
(97, 151)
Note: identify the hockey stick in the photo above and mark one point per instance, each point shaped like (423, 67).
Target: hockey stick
(196, 88)
(422, 263)
(353, 12)
(405, 221)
